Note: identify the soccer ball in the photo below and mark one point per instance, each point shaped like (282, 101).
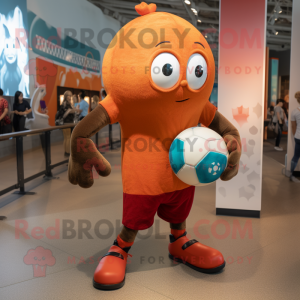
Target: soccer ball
(198, 156)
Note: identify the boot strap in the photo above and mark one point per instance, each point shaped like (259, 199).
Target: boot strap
(189, 243)
(116, 254)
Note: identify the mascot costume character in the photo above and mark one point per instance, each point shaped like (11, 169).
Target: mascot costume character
(158, 73)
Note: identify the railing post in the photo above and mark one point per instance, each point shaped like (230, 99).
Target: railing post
(20, 167)
(97, 141)
(48, 153)
(20, 163)
(110, 137)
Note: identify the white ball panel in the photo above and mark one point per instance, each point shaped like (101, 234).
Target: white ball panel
(185, 134)
(217, 146)
(194, 150)
(206, 133)
(188, 175)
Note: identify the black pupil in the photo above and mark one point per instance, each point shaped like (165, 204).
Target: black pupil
(198, 71)
(167, 69)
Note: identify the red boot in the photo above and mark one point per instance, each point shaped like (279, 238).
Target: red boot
(110, 273)
(195, 255)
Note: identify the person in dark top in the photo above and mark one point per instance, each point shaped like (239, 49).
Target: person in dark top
(67, 113)
(5, 123)
(20, 108)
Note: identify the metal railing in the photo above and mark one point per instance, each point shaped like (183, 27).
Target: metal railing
(47, 152)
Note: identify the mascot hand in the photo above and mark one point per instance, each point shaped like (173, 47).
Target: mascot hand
(85, 156)
(81, 169)
(234, 150)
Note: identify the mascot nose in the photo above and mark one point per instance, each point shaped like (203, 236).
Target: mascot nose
(183, 83)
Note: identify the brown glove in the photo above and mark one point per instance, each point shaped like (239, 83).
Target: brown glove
(84, 154)
(232, 138)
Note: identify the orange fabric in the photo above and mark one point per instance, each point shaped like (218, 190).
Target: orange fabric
(177, 232)
(122, 243)
(143, 8)
(111, 107)
(208, 114)
(149, 116)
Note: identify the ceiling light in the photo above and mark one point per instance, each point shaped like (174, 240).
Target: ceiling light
(193, 9)
(195, 12)
(187, 2)
(276, 33)
(199, 20)
(280, 11)
(275, 19)
(206, 36)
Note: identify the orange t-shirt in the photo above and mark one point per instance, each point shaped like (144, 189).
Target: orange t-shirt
(147, 132)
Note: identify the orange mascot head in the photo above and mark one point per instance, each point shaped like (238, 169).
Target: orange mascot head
(156, 61)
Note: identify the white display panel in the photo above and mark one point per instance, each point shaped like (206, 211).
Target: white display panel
(13, 47)
(241, 96)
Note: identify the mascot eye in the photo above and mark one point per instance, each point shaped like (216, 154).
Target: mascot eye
(165, 70)
(196, 72)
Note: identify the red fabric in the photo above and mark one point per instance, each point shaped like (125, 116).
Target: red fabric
(122, 243)
(173, 207)
(177, 232)
(208, 114)
(3, 105)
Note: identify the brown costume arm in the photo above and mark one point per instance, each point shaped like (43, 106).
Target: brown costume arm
(84, 154)
(232, 138)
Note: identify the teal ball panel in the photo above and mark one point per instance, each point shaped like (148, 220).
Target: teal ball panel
(176, 155)
(210, 168)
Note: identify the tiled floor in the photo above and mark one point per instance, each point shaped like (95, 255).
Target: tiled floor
(261, 265)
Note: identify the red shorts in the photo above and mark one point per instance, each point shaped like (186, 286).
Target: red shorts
(173, 207)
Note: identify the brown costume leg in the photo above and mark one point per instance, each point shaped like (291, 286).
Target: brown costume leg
(128, 235)
(178, 226)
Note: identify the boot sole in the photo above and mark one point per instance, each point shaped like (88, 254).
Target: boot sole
(207, 271)
(107, 287)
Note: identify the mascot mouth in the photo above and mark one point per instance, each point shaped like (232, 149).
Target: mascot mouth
(183, 100)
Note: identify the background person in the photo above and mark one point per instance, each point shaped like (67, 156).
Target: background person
(83, 106)
(20, 108)
(295, 121)
(74, 101)
(5, 123)
(75, 104)
(279, 118)
(270, 113)
(67, 113)
(95, 102)
(285, 108)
